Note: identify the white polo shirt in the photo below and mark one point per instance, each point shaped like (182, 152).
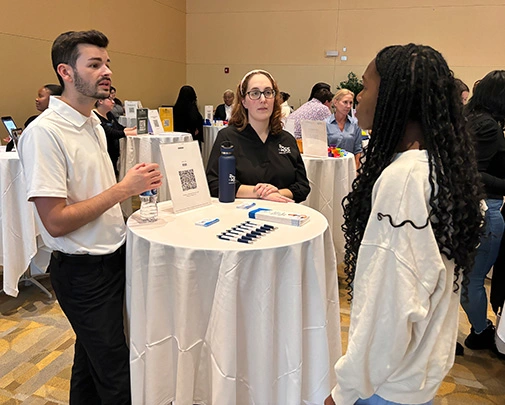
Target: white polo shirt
(64, 155)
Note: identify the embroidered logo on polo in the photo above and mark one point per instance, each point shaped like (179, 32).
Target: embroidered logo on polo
(284, 150)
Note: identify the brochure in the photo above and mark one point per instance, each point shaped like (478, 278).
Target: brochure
(315, 139)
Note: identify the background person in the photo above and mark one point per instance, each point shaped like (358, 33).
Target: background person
(42, 99)
(268, 162)
(412, 223)
(485, 113)
(463, 89)
(343, 130)
(117, 109)
(285, 107)
(317, 109)
(114, 131)
(70, 179)
(187, 118)
(223, 111)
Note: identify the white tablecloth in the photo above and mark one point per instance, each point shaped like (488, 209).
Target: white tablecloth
(330, 181)
(209, 137)
(221, 322)
(18, 228)
(146, 148)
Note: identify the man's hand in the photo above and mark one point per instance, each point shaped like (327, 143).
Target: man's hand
(142, 177)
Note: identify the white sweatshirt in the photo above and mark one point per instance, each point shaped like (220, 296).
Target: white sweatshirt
(404, 316)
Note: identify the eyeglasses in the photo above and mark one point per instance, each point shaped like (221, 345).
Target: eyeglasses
(256, 94)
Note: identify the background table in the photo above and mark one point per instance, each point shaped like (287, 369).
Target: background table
(146, 148)
(221, 322)
(19, 243)
(330, 181)
(209, 137)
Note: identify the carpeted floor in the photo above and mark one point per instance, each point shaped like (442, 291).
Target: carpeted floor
(36, 350)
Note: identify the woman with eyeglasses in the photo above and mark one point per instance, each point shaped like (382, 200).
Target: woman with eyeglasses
(268, 163)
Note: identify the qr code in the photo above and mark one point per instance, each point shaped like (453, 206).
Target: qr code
(188, 179)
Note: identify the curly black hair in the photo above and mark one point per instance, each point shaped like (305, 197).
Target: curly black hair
(416, 85)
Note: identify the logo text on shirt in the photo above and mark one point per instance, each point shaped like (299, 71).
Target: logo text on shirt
(284, 150)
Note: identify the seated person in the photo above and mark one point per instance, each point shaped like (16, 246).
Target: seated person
(42, 100)
(223, 111)
(268, 162)
(114, 131)
(317, 109)
(118, 109)
(343, 130)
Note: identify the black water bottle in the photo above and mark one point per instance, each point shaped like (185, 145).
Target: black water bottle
(226, 173)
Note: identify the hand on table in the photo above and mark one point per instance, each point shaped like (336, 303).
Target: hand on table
(130, 131)
(264, 189)
(278, 197)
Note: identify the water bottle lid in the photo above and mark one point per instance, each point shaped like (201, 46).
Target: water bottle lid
(226, 148)
(149, 193)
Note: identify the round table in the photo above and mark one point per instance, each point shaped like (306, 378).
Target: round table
(19, 240)
(146, 148)
(222, 322)
(330, 181)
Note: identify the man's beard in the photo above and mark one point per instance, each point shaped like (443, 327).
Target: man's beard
(86, 89)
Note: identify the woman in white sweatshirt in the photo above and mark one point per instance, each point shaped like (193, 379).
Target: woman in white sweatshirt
(412, 223)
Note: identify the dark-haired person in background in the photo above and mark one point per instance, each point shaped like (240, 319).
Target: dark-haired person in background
(118, 108)
(187, 118)
(463, 89)
(317, 109)
(114, 131)
(412, 223)
(485, 113)
(285, 107)
(316, 87)
(42, 99)
(70, 179)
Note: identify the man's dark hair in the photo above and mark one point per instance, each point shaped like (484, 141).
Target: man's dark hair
(323, 95)
(54, 89)
(285, 96)
(416, 85)
(489, 96)
(65, 47)
(318, 86)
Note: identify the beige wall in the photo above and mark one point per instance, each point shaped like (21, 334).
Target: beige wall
(289, 38)
(147, 48)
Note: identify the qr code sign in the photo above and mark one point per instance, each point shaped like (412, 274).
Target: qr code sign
(188, 179)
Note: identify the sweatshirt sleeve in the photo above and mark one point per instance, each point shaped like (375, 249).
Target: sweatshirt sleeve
(392, 289)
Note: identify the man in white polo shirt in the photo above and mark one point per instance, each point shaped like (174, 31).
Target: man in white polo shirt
(71, 180)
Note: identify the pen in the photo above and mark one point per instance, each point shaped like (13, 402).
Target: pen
(236, 235)
(257, 229)
(234, 239)
(247, 232)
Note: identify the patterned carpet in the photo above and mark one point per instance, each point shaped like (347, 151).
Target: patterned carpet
(36, 350)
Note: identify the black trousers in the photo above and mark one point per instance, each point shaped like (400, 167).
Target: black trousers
(90, 291)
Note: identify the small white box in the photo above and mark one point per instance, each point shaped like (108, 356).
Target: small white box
(281, 217)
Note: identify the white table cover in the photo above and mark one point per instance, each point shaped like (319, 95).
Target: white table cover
(209, 137)
(146, 148)
(221, 322)
(330, 181)
(18, 228)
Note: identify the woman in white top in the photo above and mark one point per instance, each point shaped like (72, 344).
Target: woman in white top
(412, 223)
